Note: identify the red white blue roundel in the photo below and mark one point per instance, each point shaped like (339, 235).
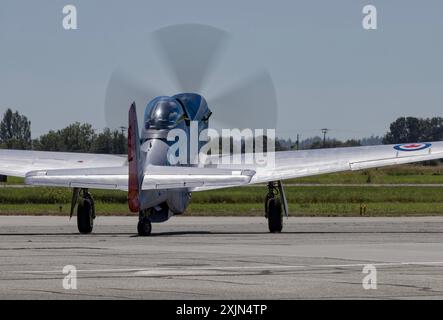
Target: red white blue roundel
(412, 146)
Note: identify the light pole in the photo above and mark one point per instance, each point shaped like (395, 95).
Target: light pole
(324, 131)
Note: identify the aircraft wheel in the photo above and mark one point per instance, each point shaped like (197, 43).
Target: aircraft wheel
(85, 216)
(144, 227)
(275, 217)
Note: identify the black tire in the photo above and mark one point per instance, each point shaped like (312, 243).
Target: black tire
(266, 206)
(144, 227)
(275, 217)
(85, 216)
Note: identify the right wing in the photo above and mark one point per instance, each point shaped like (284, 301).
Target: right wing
(18, 163)
(103, 171)
(304, 163)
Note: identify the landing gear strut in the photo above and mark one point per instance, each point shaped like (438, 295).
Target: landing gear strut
(85, 212)
(144, 224)
(273, 209)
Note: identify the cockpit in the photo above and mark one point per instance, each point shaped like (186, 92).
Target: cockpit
(163, 113)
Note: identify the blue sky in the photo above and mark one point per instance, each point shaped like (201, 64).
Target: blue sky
(327, 70)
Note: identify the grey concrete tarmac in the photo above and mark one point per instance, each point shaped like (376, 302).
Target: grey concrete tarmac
(223, 258)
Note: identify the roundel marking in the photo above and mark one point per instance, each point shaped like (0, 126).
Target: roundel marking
(412, 146)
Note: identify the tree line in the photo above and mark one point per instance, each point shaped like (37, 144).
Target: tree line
(410, 129)
(15, 133)
(402, 130)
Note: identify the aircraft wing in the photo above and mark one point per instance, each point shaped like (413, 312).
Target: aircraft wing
(18, 163)
(22, 163)
(303, 163)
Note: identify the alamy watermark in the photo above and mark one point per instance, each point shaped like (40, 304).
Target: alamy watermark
(370, 19)
(70, 280)
(370, 280)
(232, 146)
(70, 17)
(69, 22)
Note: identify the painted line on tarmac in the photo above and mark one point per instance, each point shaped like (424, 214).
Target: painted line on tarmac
(147, 271)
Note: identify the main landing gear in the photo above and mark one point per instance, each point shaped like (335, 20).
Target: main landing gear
(275, 204)
(85, 210)
(144, 227)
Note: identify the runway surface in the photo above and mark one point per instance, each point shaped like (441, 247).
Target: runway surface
(222, 258)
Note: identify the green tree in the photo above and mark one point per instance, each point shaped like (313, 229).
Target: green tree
(410, 129)
(50, 141)
(110, 142)
(74, 138)
(82, 138)
(103, 142)
(120, 143)
(436, 129)
(77, 137)
(15, 131)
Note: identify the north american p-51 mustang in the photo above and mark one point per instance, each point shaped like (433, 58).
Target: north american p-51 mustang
(158, 190)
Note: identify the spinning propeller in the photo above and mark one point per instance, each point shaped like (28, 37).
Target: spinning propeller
(190, 52)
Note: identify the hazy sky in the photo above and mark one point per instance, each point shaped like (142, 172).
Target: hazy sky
(328, 71)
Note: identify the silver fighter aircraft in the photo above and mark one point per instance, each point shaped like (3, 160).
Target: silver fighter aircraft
(158, 190)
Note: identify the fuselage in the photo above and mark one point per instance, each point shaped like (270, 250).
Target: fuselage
(162, 115)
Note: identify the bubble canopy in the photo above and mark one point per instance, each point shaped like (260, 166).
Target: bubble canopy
(163, 113)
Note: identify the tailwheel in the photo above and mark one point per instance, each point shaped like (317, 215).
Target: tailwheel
(144, 227)
(273, 209)
(85, 213)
